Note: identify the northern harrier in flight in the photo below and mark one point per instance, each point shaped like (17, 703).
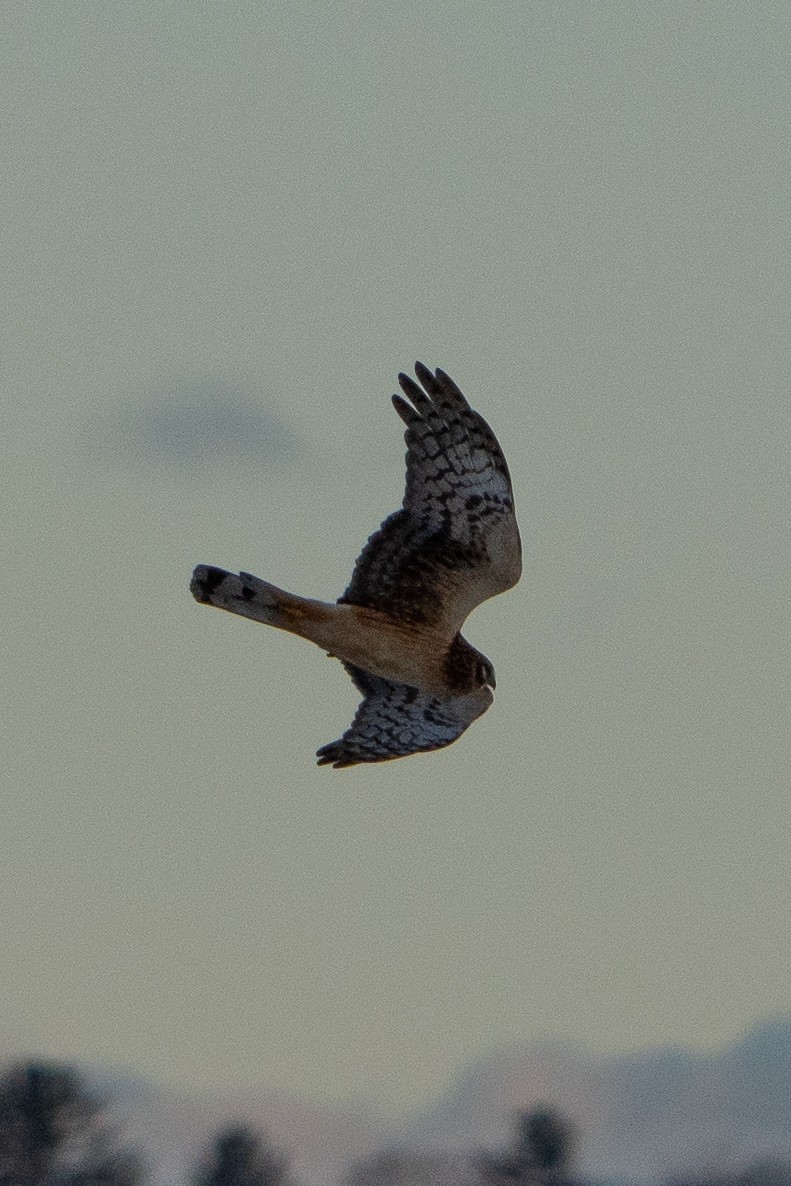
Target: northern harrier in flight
(397, 627)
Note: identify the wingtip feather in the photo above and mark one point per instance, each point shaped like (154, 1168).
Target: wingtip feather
(405, 410)
(332, 755)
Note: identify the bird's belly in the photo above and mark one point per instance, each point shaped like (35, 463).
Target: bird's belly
(387, 648)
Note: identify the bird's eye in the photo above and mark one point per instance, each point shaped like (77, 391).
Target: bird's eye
(485, 672)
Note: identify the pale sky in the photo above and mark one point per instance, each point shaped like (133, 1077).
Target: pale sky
(226, 229)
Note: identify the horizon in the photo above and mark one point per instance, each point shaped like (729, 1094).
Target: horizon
(634, 1117)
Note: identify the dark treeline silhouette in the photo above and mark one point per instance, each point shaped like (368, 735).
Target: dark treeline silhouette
(540, 1156)
(240, 1156)
(54, 1131)
(57, 1130)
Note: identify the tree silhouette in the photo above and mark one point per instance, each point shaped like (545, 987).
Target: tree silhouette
(53, 1132)
(541, 1155)
(547, 1138)
(241, 1157)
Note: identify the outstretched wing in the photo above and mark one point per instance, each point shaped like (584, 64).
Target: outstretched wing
(455, 541)
(394, 720)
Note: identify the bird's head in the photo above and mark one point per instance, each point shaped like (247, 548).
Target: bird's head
(467, 669)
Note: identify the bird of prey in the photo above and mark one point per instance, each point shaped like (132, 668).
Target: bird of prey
(397, 628)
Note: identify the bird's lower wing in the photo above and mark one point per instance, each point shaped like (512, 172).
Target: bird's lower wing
(394, 720)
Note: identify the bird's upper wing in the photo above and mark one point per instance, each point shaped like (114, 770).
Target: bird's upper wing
(394, 720)
(455, 541)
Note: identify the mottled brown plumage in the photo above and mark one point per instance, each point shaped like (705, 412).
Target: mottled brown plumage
(453, 544)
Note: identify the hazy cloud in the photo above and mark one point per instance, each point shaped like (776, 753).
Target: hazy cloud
(193, 423)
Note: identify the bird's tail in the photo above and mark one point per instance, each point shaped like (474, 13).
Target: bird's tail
(242, 593)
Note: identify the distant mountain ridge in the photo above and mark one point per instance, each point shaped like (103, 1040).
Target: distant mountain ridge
(641, 1115)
